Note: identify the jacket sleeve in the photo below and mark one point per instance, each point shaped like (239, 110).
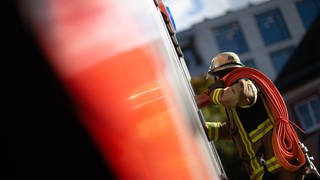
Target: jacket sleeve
(242, 93)
(217, 130)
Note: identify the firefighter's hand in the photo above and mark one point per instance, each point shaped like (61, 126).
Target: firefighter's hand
(217, 84)
(202, 100)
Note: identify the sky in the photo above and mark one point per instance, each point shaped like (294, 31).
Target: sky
(188, 12)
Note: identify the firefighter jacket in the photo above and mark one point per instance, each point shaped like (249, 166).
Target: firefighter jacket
(250, 126)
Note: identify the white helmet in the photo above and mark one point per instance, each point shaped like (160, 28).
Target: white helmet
(224, 61)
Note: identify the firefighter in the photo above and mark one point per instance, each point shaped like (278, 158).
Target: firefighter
(249, 123)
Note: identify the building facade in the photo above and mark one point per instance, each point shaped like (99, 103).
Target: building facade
(299, 83)
(264, 35)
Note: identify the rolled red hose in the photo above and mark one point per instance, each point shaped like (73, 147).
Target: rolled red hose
(285, 141)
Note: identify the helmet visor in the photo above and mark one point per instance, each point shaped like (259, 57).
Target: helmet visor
(223, 70)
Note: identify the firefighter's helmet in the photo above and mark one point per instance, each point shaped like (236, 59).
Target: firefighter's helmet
(224, 61)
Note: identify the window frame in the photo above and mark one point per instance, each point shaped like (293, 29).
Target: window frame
(240, 43)
(278, 51)
(284, 33)
(197, 62)
(315, 125)
(252, 61)
(307, 22)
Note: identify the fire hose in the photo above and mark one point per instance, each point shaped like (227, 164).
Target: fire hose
(285, 141)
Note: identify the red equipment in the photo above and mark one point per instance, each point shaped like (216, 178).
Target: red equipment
(118, 61)
(284, 139)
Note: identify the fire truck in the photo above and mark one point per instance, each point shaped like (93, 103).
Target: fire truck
(121, 63)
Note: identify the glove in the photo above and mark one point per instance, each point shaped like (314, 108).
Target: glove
(202, 100)
(217, 84)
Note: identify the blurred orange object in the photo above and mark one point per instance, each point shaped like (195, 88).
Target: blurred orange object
(116, 61)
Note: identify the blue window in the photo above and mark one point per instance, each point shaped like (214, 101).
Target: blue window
(272, 27)
(230, 38)
(308, 113)
(280, 58)
(250, 63)
(308, 11)
(191, 57)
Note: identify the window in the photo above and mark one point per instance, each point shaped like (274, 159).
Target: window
(250, 63)
(308, 113)
(191, 57)
(272, 27)
(280, 58)
(308, 11)
(230, 38)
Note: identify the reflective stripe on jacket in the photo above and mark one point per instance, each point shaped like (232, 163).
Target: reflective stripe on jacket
(249, 123)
